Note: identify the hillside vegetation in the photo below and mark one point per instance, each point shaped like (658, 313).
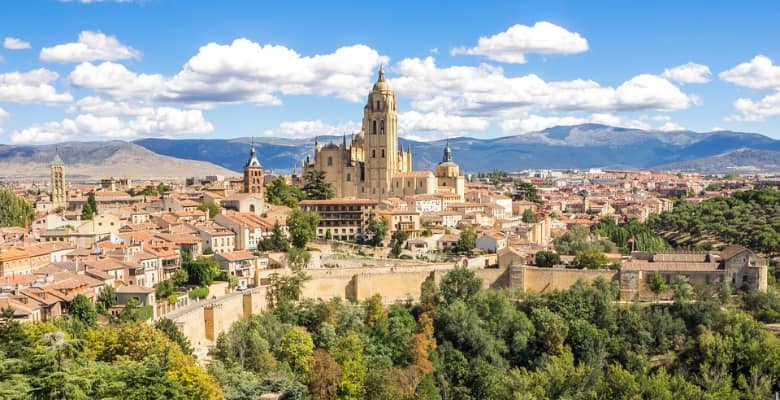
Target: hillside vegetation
(750, 218)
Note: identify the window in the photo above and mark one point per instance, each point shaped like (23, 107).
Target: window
(382, 127)
(383, 153)
(373, 153)
(330, 161)
(373, 128)
(377, 105)
(349, 177)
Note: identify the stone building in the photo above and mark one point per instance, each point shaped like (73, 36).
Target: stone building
(742, 268)
(58, 194)
(372, 165)
(340, 218)
(253, 174)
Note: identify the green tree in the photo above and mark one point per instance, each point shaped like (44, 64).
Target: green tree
(169, 328)
(83, 310)
(324, 376)
(525, 191)
(89, 208)
(106, 298)
(211, 207)
(280, 193)
(316, 187)
(682, 288)
(14, 210)
(467, 241)
(296, 349)
(529, 216)
(460, 283)
(591, 259)
(547, 259)
(202, 271)
(397, 241)
(376, 230)
(278, 240)
(302, 227)
(657, 284)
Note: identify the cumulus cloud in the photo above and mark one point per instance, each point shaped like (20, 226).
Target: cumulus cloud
(535, 123)
(91, 46)
(486, 90)
(110, 123)
(671, 127)
(439, 122)
(245, 71)
(512, 45)
(688, 73)
(12, 43)
(759, 73)
(99, 106)
(31, 87)
(760, 110)
(302, 129)
(116, 80)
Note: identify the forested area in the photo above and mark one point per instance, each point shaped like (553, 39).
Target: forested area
(463, 342)
(750, 218)
(14, 210)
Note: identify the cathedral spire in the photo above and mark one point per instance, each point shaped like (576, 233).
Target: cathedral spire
(381, 73)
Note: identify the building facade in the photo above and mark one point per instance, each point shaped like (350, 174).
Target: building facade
(372, 165)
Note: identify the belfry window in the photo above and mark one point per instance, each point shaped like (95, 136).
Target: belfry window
(330, 161)
(377, 105)
(373, 153)
(382, 127)
(373, 128)
(349, 177)
(383, 153)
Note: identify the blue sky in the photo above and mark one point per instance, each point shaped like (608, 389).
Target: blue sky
(161, 68)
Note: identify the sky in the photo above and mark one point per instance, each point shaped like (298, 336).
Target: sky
(104, 70)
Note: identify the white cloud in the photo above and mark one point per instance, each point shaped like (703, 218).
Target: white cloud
(486, 90)
(302, 129)
(247, 72)
(671, 127)
(449, 125)
(4, 115)
(91, 46)
(116, 80)
(159, 122)
(512, 45)
(688, 73)
(32, 87)
(535, 123)
(759, 73)
(12, 43)
(750, 110)
(98, 106)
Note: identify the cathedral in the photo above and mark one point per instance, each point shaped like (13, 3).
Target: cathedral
(372, 165)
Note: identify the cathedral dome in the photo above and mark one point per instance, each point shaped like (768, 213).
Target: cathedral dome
(381, 84)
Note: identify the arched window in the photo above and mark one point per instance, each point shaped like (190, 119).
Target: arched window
(373, 153)
(373, 128)
(330, 161)
(251, 208)
(382, 127)
(349, 177)
(383, 153)
(377, 105)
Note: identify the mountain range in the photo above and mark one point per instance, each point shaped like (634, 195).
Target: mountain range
(579, 146)
(576, 147)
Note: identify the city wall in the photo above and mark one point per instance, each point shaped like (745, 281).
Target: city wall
(538, 280)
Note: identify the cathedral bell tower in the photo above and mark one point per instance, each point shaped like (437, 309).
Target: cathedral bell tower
(380, 127)
(253, 173)
(58, 196)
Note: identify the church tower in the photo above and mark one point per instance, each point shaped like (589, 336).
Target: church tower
(253, 173)
(58, 196)
(380, 127)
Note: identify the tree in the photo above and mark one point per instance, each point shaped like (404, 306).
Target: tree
(376, 230)
(657, 284)
(14, 210)
(529, 216)
(298, 259)
(324, 376)
(106, 298)
(280, 193)
(525, 191)
(302, 227)
(211, 207)
(278, 240)
(397, 242)
(682, 288)
(591, 259)
(460, 283)
(547, 259)
(296, 349)
(202, 271)
(83, 310)
(467, 241)
(169, 328)
(89, 208)
(316, 187)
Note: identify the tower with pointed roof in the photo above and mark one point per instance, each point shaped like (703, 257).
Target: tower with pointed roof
(59, 196)
(253, 173)
(448, 177)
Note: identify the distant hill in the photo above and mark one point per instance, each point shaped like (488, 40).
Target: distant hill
(743, 161)
(95, 160)
(579, 146)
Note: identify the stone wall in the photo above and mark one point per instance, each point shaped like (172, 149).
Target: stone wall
(538, 280)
